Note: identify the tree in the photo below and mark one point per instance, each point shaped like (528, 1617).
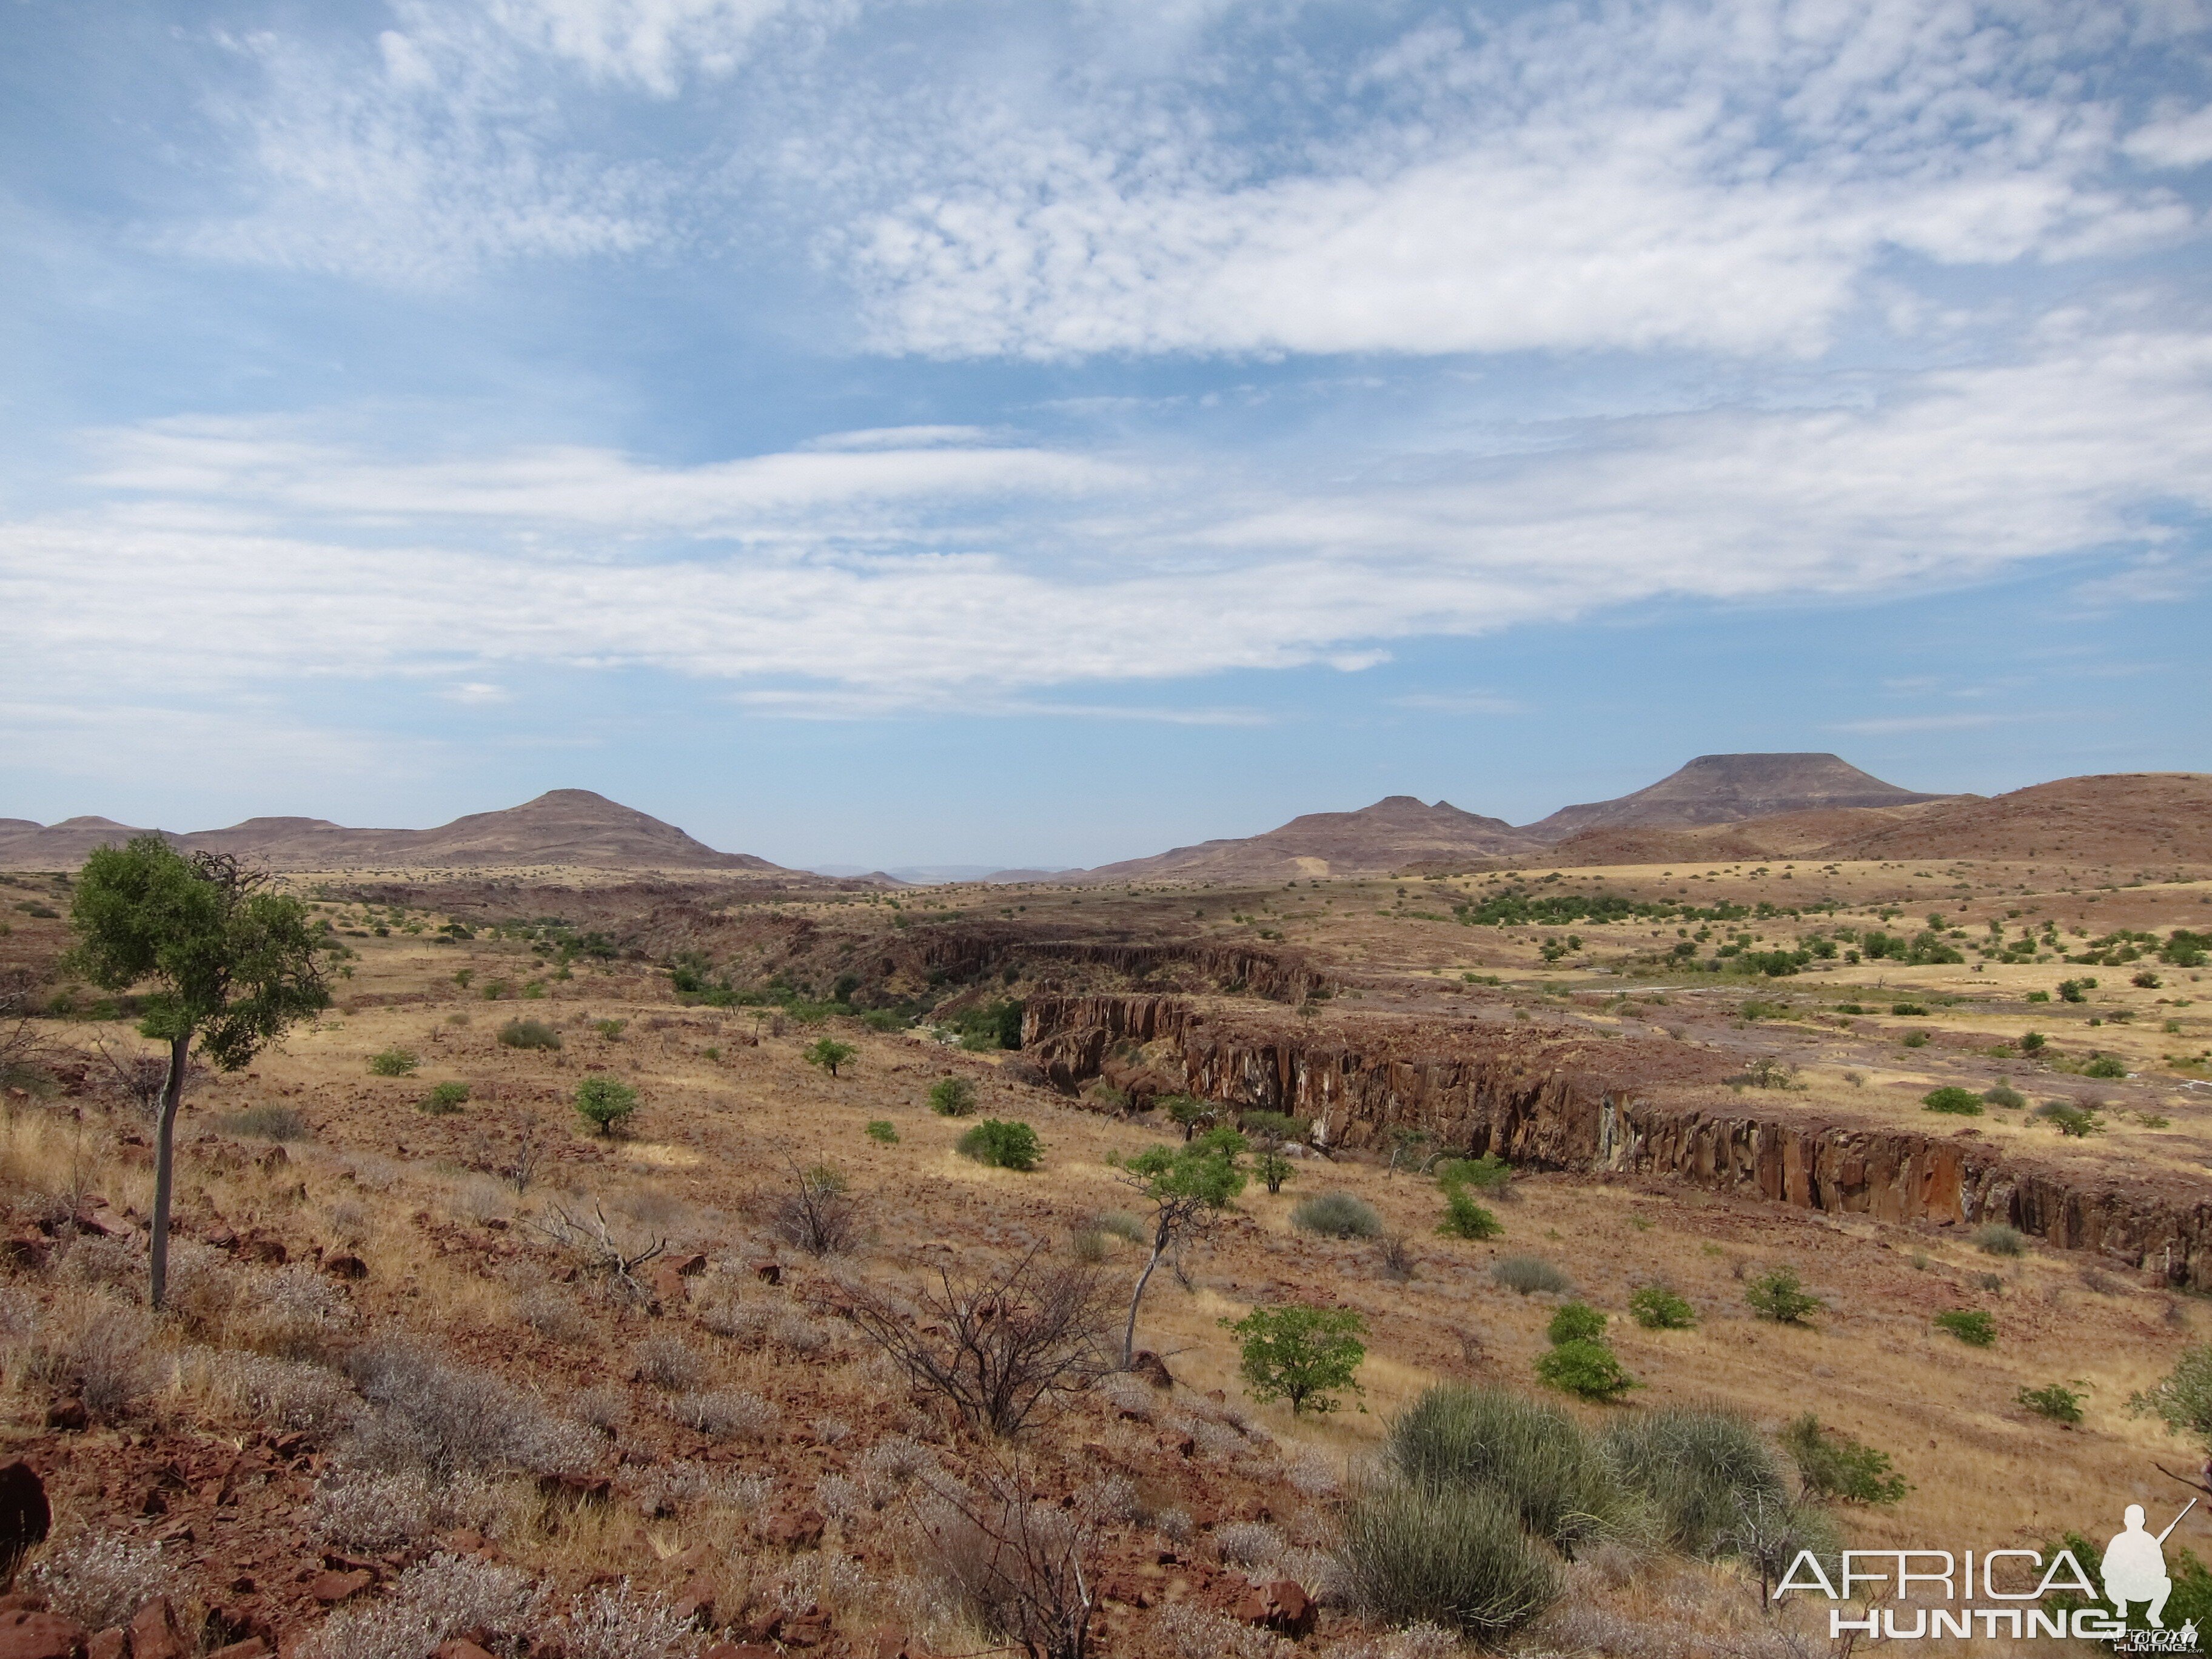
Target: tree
(1586, 1368)
(1269, 1133)
(232, 965)
(1190, 1114)
(2183, 1400)
(1011, 1146)
(1187, 1186)
(605, 1100)
(1835, 1464)
(1301, 1354)
(830, 1054)
(1781, 1296)
(1465, 1219)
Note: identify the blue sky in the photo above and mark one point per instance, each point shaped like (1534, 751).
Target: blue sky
(894, 434)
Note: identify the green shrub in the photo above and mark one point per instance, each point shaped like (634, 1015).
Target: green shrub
(1301, 1354)
(885, 1020)
(1699, 1468)
(2069, 1119)
(1781, 1296)
(267, 1123)
(1656, 1308)
(1001, 1146)
(2070, 990)
(1586, 1369)
(1528, 1274)
(1997, 1238)
(2182, 1399)
(1337, 1215)
(1972, 1327)
(1530, 1450)
(884, 1130)
(1487, 1174)
(529, 1034)
(2104, 1066)
(1465, 1219)
(1915, 1039)
(1907, 1009)
(1833, 1464)
(2039, 996)
(2031, 1043)
(1575, 1321)
(952, 1097)
(2055, 1400)
(611, 1029)
(1451, 1555)
(1959, 1102)
(604, 1101)
(2005, 1095)
(446, 1098)
(393, 1062)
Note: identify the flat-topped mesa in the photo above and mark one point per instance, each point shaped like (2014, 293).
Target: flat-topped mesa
(1553, 1099)
(1728, 789)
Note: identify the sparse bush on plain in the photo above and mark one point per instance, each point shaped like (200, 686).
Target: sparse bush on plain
(279, 1123)
(1453, 1554)
(1337, 1215)
(1585, 1368)
(724, 1413)
(529, 1034)
(431, 1603)
(1575, 1321)
(1658, 1308)
(1465, 1219)
(1011, 1146)
(445, 1099)
(828, 1053)
(1528, 1274)
(2069, 1119)
(434, 1417)
(1780, 1295)
(882, 1132)
(1998, 1238)
(2055, 1400)
(394, 1062)
(2004, 1095)
(1954, 1100)
(1833, 1464)
(1972, 1326)
(952, 1097)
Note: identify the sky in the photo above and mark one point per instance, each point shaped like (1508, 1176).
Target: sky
(886, 432)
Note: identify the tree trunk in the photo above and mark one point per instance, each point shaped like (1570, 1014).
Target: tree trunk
(173, 1095)
(1129, 1336)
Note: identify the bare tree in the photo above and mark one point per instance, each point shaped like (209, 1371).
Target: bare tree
(1024, 1562)
(594, 1242)
(19, 1045)
(136, 1081)
(818, 1214)
(1000, 1346)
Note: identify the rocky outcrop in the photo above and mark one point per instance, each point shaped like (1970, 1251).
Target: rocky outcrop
(1549, 1099)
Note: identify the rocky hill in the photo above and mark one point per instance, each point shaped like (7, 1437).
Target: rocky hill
(2122, 818)
(1728, 789)
(567, 827)
(1394, 832)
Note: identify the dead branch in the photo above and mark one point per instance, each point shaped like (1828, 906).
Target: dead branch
(595, 1242)
(1023, 1562)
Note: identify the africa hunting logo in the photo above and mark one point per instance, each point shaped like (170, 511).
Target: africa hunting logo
(2002, 1593)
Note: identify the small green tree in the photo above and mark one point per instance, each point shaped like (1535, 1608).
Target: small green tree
(1487, 1174)
(1656, 1308)
(604, 1101)
(1301, 1354)
(231, 965)
(1190, 1114)
(952, 1097)
(1957, 1101)
(1187, 1186)
(1269, 1133)
(2055, 1400)
(1835, 1465)
(1781, 1296)
(883, 1130)
(830, 1054)
(1585, 1368)
(446, 1098)
(1002, 1145)
(393, 1062)
(1465, 1219)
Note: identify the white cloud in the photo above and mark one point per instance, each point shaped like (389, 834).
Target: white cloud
(477, 694)
(2176, 141)
(1888, 726)
(983, 577)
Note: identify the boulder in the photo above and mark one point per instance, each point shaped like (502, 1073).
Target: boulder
(1282, 1605)
(40, 1635)
(155, 1633)
(25, 1515)
(1150, 1366)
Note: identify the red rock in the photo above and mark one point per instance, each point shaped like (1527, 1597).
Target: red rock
(156, 1634)
(768, 1272)
(800, 1531)
(346, 1267)
(108, 1644)
(332, 1587)
(460, 1647)
(27, 1250)
(252, 1648)
(576, 1489)
(269, 1252)
(1151, 1367)
(68, 1416)
(40, 1635)
(810, 1629)
(25, 1515)
(690, 1267)
(1281, 1606)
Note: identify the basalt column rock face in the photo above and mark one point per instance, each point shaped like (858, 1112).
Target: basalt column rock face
(1551, 1100)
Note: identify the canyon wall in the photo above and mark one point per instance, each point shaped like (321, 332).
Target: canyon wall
(1552, 1100)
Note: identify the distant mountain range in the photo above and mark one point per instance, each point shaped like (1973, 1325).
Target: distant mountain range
(573, 827)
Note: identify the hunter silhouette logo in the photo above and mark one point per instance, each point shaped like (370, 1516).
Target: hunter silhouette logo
(2134, 1567)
